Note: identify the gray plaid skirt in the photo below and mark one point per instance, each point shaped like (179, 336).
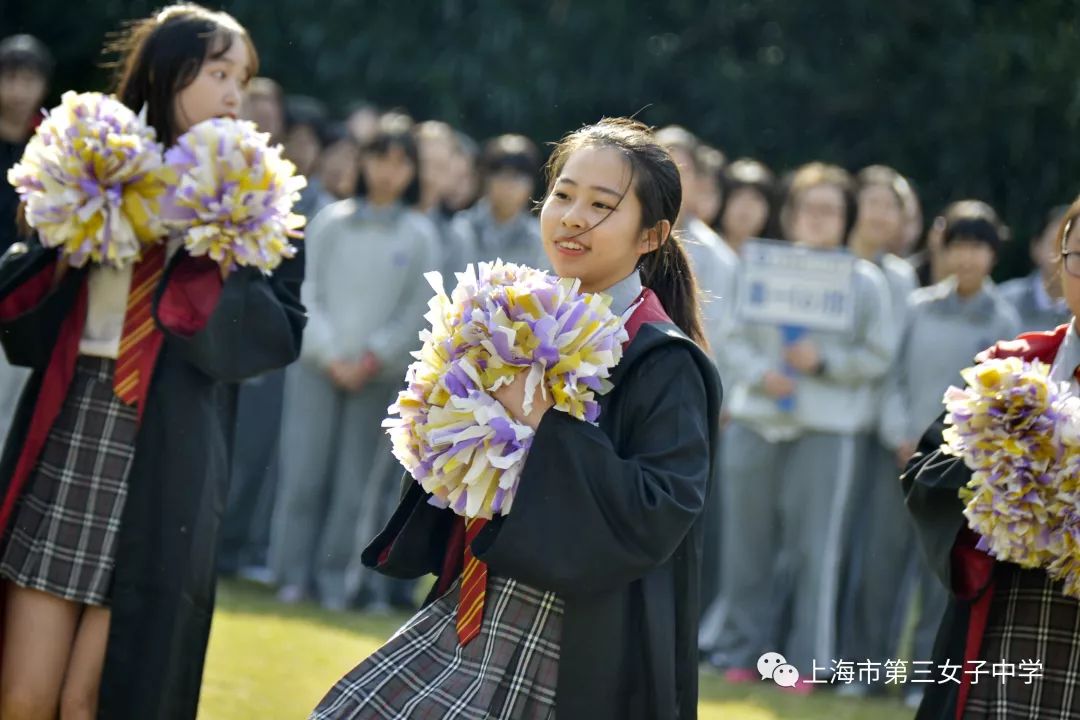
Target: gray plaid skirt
(508, 671)
(62, 537)
(1031, 620)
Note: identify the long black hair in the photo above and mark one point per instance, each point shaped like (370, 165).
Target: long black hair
(654, 178)
(161, 55)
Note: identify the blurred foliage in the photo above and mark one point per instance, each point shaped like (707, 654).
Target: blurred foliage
(968, 97)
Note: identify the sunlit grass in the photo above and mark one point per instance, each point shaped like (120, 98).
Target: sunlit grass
(269, 662)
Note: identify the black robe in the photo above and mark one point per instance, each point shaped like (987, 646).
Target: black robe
(931, 482)
(163, 584)
(608, 517)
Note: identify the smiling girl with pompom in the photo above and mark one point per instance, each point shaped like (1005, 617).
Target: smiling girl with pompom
(586, 590)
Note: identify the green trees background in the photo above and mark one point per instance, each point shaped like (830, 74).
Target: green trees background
(968, 97)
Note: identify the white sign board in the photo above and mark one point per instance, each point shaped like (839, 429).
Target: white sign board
(782, 284)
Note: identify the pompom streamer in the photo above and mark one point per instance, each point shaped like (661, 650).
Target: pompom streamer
(501, 320)
(92, 180)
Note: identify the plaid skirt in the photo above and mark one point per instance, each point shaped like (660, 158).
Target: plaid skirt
(1031, 621)
(508, 671)
(62, 537)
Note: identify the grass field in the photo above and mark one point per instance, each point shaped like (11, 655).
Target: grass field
(271, 662)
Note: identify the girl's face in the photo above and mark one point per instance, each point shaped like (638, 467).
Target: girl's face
(339, 168)
(587, 231)
(819, 217)
(387, 176)
(745, 214)
(1070, 283)
(709, 199)
(217, 90)
(971, 261)
(302, 147)
(881, 218)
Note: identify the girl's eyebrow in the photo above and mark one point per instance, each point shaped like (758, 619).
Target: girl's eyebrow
(598, 188)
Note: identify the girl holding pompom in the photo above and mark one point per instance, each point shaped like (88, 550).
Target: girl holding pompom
(999, 613)
(116, 468)
(582, 600)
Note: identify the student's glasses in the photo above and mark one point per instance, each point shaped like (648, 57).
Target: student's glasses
(1071, 261)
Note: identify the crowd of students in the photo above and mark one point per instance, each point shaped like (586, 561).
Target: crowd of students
(809, 550)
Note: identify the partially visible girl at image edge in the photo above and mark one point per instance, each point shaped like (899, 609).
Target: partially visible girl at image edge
(590, 602)
(115, 472)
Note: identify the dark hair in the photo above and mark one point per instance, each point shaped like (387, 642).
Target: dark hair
(25, 52)
(1054, 218)
(710, 161)
(676, 137)
(515, 153)
(161, 55)
(654, 178)
(812, 175)
(395, 130)
(973, 220)
(305, 110)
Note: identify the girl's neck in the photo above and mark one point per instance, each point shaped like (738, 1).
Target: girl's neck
(967, 293)
(863, 248)
(503, 215)
(14, 130)
(381, 201)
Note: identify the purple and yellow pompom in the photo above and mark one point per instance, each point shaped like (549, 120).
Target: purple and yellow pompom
(91, 180)
(501, 320)
(1020, 435)
(234, 195)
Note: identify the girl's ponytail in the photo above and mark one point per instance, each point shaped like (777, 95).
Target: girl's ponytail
(668, 273)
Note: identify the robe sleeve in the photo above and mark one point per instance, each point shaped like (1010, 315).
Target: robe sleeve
(32, 305)
(931, 483)
(233, 329)
(588, 518)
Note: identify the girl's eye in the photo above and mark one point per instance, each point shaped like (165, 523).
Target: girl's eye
(602, 206)
(559, 195)
(218, 74)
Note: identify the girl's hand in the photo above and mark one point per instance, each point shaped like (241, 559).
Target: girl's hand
(777, 385)
(512, 397)
(803, 356)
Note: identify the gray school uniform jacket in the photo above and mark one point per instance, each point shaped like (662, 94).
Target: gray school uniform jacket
(941, 337)
(1037, 310)
(365, 289)
(715, 267)
(515, 241)
(843, 398)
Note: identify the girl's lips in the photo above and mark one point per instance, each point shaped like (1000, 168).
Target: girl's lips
(570, 246)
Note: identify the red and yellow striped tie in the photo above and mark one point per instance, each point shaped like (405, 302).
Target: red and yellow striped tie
(138, 324)
(473, 587)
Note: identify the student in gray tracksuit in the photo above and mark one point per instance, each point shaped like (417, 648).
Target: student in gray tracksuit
(501, 224)
(1038, 297)
(366, 297)
(947, 325)
(715, 266)
(789, 473)
(880, 224)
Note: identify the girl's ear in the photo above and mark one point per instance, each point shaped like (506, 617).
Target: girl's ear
(652, 238)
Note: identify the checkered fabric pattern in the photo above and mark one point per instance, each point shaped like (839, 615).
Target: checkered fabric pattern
(508, 671)
(1030, 619)
(62, 538)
